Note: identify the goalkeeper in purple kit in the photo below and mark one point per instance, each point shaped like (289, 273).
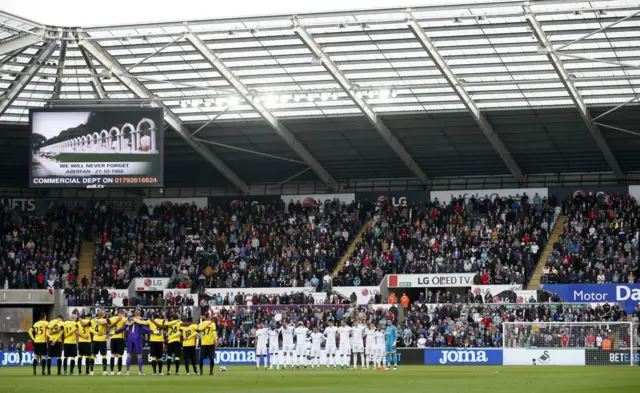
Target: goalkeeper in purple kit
(135, 328)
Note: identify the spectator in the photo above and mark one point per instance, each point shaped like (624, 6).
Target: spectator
(393, 299)
(405, 301)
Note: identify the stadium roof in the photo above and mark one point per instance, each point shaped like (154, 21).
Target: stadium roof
(505, 88)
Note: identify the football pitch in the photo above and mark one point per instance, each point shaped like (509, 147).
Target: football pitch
(440, 379)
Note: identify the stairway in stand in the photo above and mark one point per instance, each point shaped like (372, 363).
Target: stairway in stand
(351, 249)
(85, 265)
(555, 234)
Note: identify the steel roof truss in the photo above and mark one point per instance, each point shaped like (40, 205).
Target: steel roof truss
(141, 91)
(30, 71)
(245, 94)
(562, 73)
(466, 99)
(371, 115)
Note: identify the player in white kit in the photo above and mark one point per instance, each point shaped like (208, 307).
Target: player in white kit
(344, 333)
(316, 347)
(357, 346)
(301, 333)
(380, 339)
(287, 344)
(370, 344)
(273, 334)
(261, 345)
(330, 347)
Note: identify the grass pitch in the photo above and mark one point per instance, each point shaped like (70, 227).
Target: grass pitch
(410, 379)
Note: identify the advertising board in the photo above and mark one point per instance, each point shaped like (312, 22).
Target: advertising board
(543, 357)
(620, 357)
(517, 193)
(394, 198)
(151, 284)
(462, 356)
(626, 294)
(429, 280)
(201, 202)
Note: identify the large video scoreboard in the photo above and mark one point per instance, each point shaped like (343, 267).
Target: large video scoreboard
(96, 147)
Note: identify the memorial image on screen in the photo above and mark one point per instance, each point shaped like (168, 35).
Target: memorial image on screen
(96, 148)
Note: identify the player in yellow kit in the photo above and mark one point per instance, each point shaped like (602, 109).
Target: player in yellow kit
(55, 332)
(70, 343)
(38, 334)
(156, 342)
(189, 337)
(208, 341)
(84, 344)
(174, 346)
(117, 340)
(99, 345)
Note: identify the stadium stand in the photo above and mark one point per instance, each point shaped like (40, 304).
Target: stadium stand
(599, 243)
(40, 252)
(500, 240)
(238, 246)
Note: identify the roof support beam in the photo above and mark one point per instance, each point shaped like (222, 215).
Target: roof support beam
(20, 42)
(563, 75)
(141, 91)
(371, 115)
(242, 90)
(30, 71)
(98, 89)
(61, 59)
(466, 99)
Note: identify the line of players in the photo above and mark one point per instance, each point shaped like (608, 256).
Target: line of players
(87, 338)
(377, 346)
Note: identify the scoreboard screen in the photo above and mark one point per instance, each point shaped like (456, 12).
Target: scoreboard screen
(96, 147)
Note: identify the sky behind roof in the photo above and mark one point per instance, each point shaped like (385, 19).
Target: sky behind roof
(92, 13)
(50, 124)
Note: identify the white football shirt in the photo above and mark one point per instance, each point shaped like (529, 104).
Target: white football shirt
(287, 334)
(330, 333)
(344, 332)
(369, 336)
(261, 335)
(316, 339)
(380, 336)
(357, 333)
(273, 338)
(301, 334)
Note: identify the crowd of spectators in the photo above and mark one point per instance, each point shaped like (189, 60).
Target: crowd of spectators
(480, 325)
(40, 252)
(599, 243)
(501, 239)
(278, 246)
(97, 296)
(242, 298)
(241, 245)
(426, 325)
